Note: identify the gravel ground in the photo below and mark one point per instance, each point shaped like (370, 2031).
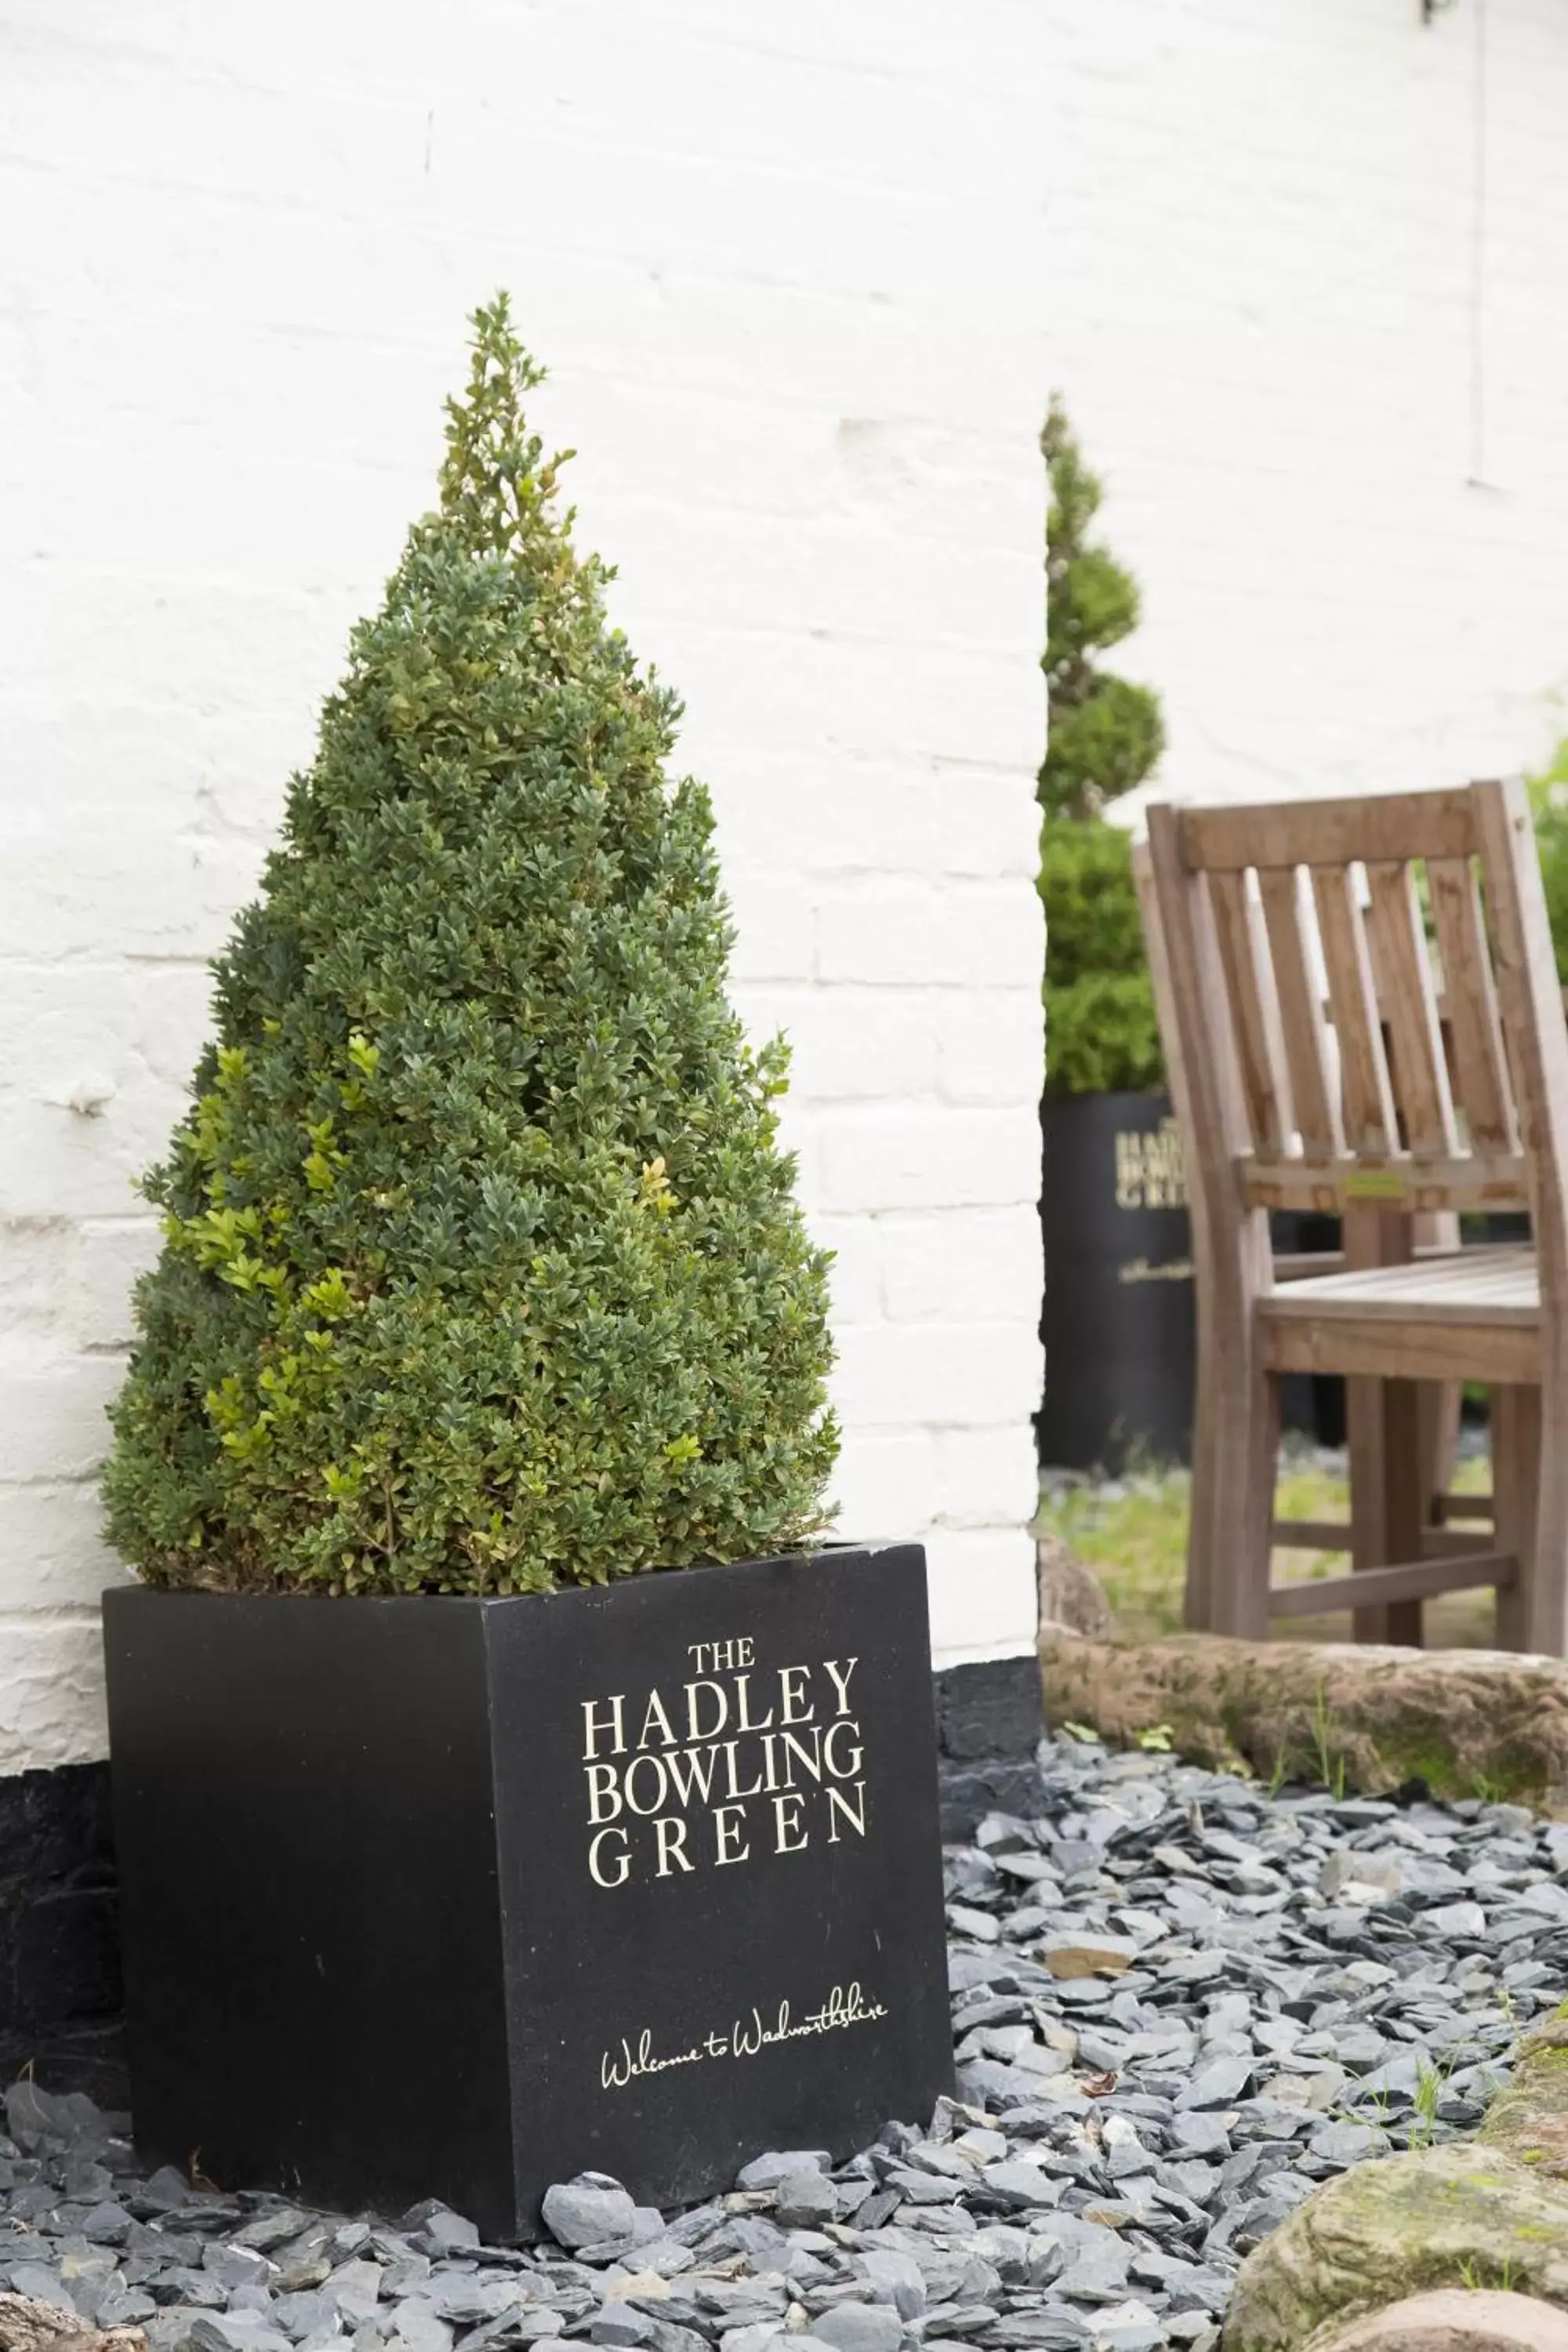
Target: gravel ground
(1179, 2002)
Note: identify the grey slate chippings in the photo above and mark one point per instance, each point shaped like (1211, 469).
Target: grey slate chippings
(1179, 2003)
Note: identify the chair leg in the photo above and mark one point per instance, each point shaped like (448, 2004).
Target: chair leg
(1440, 1410)
(1514, 1415)
(1440, 1399)
(1389, 1494)
(1529, 1478)
(1235, 1457)
(1389, 1503)
(1198, 1605)
(1546, 1623)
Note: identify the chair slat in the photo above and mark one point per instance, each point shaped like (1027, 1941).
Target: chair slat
(1424, 1348)
(1249, 986)
(1409, 1581)
(1367, 1096)
(1408, 1003)
(1475, 1031)
(1475, 1285)
(1331, 833)
(1314, 1093)
(1477, 1180)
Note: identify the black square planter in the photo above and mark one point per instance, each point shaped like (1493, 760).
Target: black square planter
(457, 1897)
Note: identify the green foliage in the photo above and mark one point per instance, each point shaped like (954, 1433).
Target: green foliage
(1549, 802)
(1104, 1037)
(482, 1269)
(1101, 746)
(1105, 735)
(1091, 901)
(1100, 1031)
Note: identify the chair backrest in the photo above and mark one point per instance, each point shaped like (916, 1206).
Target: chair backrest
(1360, 1001)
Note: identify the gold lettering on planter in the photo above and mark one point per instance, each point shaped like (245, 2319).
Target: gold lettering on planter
(608, 1860)
(1138, 1269)
(845, 2006)
(613, 1731)
(1150, 1172)
(727, 1820)
(741, 1760)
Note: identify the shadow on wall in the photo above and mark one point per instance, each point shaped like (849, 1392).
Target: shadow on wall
(59, 1948)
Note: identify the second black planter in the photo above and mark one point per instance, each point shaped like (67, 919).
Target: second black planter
(1118, 1314)
(458, 1897)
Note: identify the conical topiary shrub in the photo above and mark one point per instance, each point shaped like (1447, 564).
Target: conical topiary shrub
(482, 1269)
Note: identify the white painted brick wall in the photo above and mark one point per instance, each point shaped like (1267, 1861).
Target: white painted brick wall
(1267, 312)
(786, 268)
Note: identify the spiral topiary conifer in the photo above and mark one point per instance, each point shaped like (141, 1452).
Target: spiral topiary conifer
(1105, 735)
(482, 1267)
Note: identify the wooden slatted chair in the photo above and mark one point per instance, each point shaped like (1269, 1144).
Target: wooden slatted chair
(1413, 1092)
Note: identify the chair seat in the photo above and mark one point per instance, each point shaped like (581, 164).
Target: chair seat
(1474, 1285)
(1476, 1315)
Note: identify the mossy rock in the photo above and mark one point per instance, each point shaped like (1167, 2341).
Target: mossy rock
(1528, 2119)
(1465, 1723)
(1071, 1595)
(1466, 2215)
(1456, 2319)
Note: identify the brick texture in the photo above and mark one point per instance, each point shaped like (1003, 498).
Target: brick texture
(786, 271)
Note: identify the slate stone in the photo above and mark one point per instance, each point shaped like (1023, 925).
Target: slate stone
(619, 2324)
(1345, 2144)
(1036, 2331)
(106, 2223)
(234, 2264)
(896, 2278)
(355, 2287)
(302, 2314)
(1097, 2274)
(1129, 2327)
(805, 2201)
(1021, 2185)
(758, 2336)
(297, 2277)
(239, 2331)
(1218, 2084)
(166, 2192)
(878, 2209)
(859, 2327)
(32, 2118)
(920, 2187)
(269, 2229)
(405, 2275)
(468, 2301)
(668, 2338)
(590, 2210)
(122, 2307)
(420, 2328)
(41, 2284)
(1455, 1921)
(768, 2171)
(1197, 2134)
(447, 2234)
